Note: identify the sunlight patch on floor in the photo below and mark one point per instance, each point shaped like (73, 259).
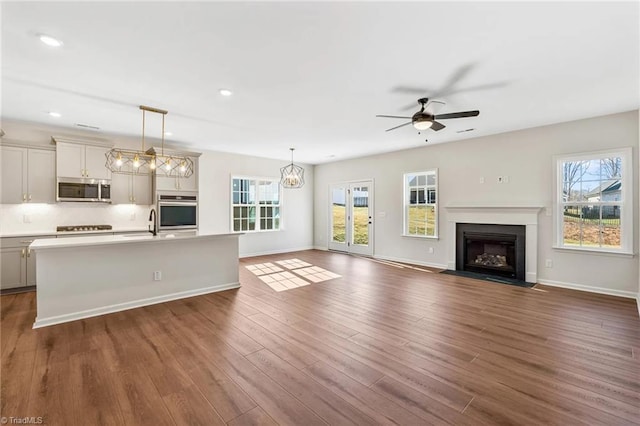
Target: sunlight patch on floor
(300, 274)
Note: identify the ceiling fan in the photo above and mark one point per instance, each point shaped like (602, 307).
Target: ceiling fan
(426, 117)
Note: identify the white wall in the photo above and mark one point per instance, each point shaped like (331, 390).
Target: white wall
(215, 170)
(526, 157)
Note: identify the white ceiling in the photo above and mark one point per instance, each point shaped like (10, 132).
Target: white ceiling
(314, 75)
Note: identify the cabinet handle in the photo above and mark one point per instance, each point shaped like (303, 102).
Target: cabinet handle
(86, 173)
(28, 252)
(22, 253)
(24, 197)
(29, 197)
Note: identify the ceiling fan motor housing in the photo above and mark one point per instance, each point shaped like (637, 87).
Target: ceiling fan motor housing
(422, 120)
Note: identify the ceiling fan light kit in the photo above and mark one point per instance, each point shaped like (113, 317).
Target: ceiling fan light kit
(424, 119)
(292, 175)
(131, 162)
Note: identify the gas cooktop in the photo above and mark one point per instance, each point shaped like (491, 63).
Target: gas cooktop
(84, 228)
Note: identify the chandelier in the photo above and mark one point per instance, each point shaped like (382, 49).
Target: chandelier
(131, 162)
(292, 176)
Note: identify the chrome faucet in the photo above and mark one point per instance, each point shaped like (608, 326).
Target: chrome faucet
(153, 216)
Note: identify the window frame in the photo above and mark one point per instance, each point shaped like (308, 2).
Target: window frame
(626, 202)
(406, 200)
(256, 204)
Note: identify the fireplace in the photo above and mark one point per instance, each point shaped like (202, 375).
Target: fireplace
(491, 249)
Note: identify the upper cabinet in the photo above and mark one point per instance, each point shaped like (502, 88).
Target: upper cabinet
(28, 175)
(178, 183)
(77, 160)
(162, 182)
(131, 189)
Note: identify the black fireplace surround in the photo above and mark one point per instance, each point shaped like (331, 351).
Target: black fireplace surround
(491, 249)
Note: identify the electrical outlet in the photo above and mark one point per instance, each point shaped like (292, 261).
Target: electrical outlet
(157, 275)
(481, 179)
(500, 179)
(505, 179)
(548, 263)
(430, 250)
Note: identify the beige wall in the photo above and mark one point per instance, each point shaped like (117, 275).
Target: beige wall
(526, 157)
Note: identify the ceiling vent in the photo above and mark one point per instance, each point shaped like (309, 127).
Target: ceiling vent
(86, 126)
(465, 130)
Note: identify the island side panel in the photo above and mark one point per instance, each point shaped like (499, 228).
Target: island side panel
(81, 282)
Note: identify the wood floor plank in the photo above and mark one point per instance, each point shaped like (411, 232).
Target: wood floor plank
(330, 407)
(384, 343)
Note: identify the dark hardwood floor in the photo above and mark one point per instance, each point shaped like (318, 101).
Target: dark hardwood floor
(382, 344)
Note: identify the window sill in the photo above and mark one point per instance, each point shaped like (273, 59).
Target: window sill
(594, 251)
(260, 231)
(426, 237)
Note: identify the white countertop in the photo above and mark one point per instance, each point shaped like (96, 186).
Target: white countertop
(54, 232)
(95, 240)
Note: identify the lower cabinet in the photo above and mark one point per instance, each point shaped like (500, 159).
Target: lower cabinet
(18, 263)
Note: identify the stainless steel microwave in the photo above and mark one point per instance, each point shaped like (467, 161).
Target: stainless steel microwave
(177, 211)
(84, 190)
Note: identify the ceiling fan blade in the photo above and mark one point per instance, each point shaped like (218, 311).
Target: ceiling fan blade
(433, 107)
(393, 116)
(402, 125)
(457, 115)
(437, 126)
(410, 90)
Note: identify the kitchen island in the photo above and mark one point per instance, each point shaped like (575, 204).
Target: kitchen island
(88, 276)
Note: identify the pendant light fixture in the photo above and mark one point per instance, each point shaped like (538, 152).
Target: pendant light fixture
(131, 162)
(292, 176)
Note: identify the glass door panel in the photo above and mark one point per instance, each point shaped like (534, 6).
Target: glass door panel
(351, 217)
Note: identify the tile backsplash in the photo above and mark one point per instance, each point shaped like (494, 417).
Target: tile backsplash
(25, 218)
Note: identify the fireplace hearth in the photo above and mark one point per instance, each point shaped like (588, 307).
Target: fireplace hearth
(497, 250)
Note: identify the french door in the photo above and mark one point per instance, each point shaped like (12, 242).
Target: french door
(351, 217)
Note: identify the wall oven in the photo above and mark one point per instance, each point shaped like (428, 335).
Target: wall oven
(80, 189)
(177, 211)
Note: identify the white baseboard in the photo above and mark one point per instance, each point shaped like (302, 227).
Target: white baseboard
(411, 261)
(323, 248)
(599, 290)
(268, 252)
(44, 322)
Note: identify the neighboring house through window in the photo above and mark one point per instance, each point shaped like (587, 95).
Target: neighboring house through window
(593, 201)
(255, 204)
(420, 204)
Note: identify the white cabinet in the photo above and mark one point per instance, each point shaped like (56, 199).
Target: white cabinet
(131, 189)
(164, 183)
(75, 160)
(18, 262)
(28, 175)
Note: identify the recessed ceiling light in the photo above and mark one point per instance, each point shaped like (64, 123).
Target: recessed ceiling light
(168, 134)
(50, 41)
(55, 114)
(226, 92)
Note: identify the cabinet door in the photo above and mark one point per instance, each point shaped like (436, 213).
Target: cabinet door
(95, 163)
(31, 267)
(120, 189)
(13, 272)
(14, 167)
(70, 160)
(142, 190)
(41, 176)
(164, 183)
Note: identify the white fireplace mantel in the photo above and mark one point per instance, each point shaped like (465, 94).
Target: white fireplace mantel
(526, 215)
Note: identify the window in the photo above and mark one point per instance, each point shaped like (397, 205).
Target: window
(593, 201)
(255, 204)
(420, 205)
